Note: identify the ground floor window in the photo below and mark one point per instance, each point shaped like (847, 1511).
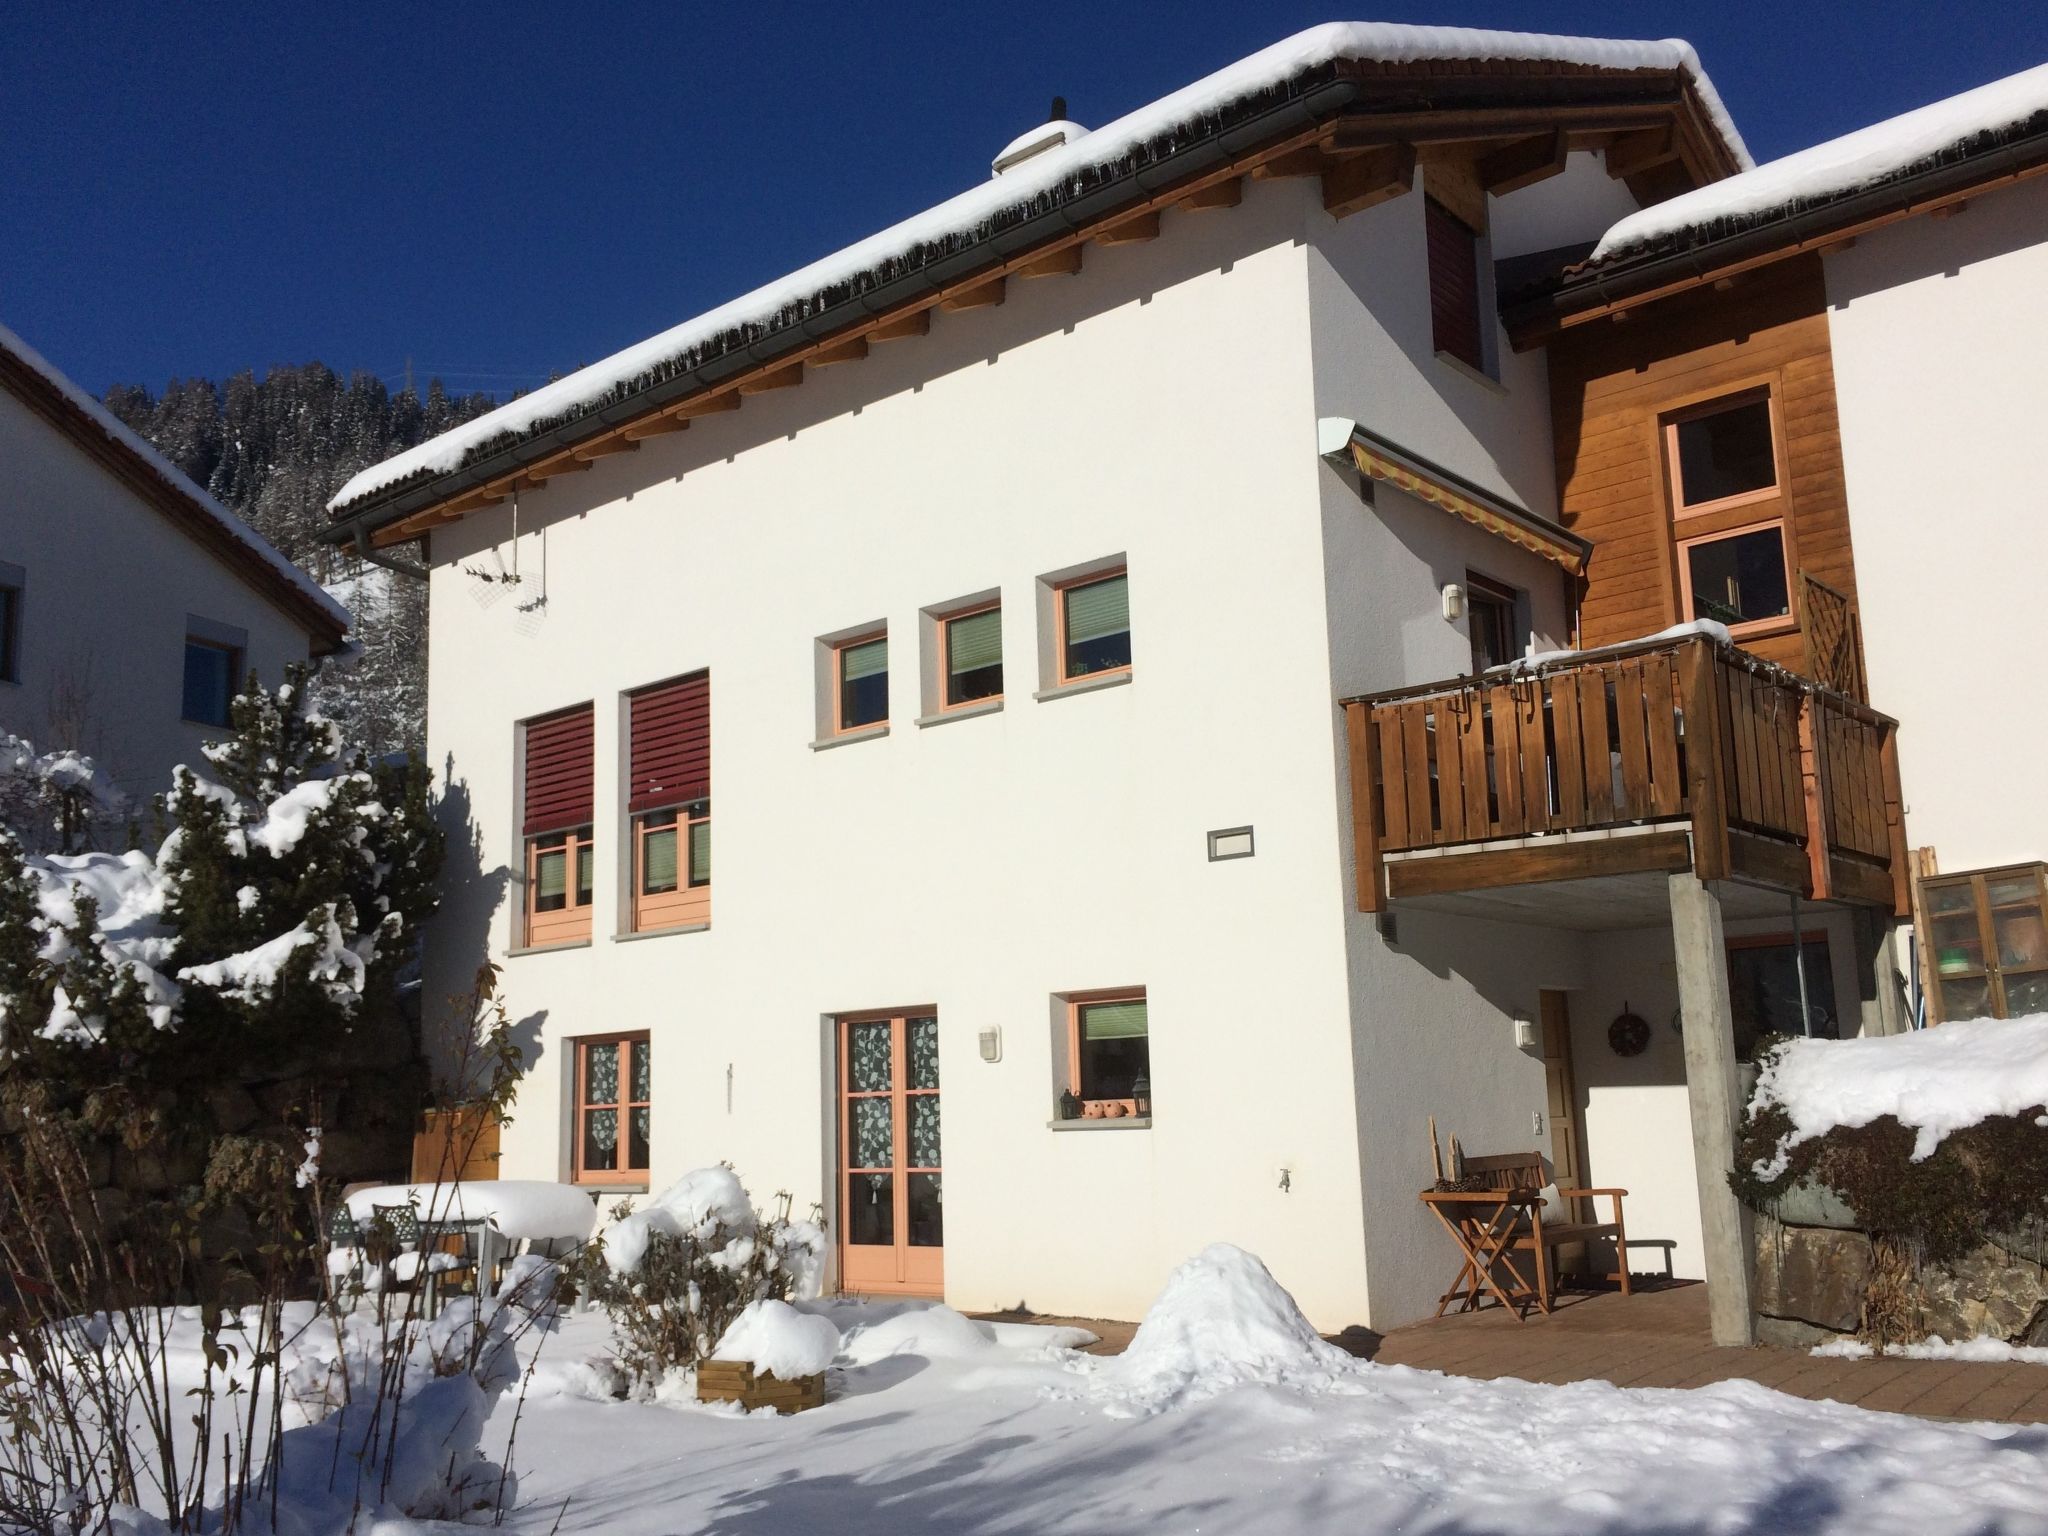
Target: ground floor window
(1763, 989)
(1109, 1053)
(614, 1109)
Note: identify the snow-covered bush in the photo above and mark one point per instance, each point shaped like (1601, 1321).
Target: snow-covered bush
(58, 802)
(675, 1276)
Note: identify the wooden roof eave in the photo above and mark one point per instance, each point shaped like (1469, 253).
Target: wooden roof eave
(1364, 155)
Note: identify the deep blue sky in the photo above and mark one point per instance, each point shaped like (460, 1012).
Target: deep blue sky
(496, 190)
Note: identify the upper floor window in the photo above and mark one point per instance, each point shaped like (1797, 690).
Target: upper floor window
(1093, 620)
(614, 1128)
(1491, 616)
(971, 656)
(559, 802)
(10, 624)
(860, 690)
(669, 799)
(213, 657)
(1722, 452)
(1455, 310)
(1738, 579)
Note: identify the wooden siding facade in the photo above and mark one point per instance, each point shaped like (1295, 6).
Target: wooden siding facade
(1614, 384)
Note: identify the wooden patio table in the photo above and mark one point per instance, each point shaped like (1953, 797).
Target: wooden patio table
(1485, 1223)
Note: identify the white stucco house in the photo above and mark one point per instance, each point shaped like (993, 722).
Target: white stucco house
(1188, 671)
(132, 604)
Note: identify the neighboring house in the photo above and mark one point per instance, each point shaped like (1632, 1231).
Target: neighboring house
(132, 604)
(1084, 657)
(1878, 298)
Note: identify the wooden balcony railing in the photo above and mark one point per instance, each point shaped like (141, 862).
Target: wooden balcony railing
(1749, 769)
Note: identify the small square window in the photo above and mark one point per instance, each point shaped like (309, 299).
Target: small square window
(1763, 990)
(861, 691)
(1737, 579)
(1094, 626)
(971, 655)
(1109, 1056)
(614, 1127)
(209, 681)
(1724, 452)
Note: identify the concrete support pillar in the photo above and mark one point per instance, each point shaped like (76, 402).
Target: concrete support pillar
(1879, 977)
(1713, 1093)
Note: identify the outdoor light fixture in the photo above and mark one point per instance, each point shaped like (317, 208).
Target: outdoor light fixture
(992, 1045)
(1070, 1105)
(1454, 601)
(1141, 1096)
(1525, 1030)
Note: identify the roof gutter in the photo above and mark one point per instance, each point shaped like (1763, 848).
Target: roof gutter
(1312, 106)
(1613, 284)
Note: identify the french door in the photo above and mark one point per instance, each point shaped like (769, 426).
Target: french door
(891, 1210)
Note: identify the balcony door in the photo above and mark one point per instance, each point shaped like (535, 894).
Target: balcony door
(891, 1210)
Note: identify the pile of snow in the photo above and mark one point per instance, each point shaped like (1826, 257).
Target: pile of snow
(975, 209)
(710, 1208)
(1932, 1081)
(937, 1332)
(1983, 1348)
(520, 1209)
(130, 895)
(1838, 167)
(1222, 1321)
(779, 1341)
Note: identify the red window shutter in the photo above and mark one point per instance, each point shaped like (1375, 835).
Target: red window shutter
(559, 790)
(1453, 284)
(671, 749)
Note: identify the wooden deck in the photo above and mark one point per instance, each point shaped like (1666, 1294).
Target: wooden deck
(1659, 1339)
(1656, 756)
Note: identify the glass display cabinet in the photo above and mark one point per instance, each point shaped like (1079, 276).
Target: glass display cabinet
(1984, 934)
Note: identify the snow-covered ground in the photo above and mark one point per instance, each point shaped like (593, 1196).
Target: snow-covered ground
(1983, 1349)
(1227, 1414)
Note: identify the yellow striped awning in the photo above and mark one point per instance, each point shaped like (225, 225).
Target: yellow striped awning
(1558, 548)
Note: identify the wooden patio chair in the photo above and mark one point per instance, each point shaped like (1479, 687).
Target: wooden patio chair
(1540, 1238)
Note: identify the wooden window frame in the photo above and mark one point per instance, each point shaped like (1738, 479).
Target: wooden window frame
(625, 1104)
(235, 665)
(945, 622)
(837, 702)
(1723, 400)
(1492, 592)
(1777, 623)
(1442, 200)
(689, 904)
(1060, 589)
(1990, 970)
(1781, 938)
(1076, 1001)
(572, 922)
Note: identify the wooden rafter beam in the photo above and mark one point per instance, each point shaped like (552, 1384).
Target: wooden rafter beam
(779, 378)
(917, 323)
(605, 447)
(1522, 163)
(983, 295)
(1309, 160)
(1227, 193)
(657, 426)
(1630, 154)
(1064, 262)
(851, 350)
(710, 405)
(1131, 231)
(1369, 179)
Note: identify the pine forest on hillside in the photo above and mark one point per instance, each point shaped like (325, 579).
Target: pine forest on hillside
(273, 450)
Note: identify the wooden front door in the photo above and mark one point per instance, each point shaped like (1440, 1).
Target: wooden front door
(891, 1209)
(1566, 1149)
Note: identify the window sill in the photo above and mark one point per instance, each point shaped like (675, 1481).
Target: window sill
(964, 712)
(206, 725)
(865, 733)
(660, 933)
(1083, 685)
(597, 1189)
(546, 949)
(1125, 1123)
(1478, 376)
(1768, 629)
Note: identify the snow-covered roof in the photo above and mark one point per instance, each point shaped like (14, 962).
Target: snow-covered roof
(1915, 141)
(993, 202)
(147, 459)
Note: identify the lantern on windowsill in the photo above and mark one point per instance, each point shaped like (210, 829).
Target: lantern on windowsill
(1070, 1105)
(1141, 1097)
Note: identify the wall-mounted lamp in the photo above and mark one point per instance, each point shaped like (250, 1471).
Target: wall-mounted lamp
(1525, 1030)
(1454, 601)
(991, 1044)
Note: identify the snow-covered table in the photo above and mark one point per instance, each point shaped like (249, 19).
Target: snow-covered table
(489, 1211)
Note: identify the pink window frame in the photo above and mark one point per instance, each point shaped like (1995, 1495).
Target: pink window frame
(625, 1104)
(837, 703)
(945, 622)
(1683, 511)
(1059, 623)
(1779, 621)
(1075, 1003)
(685, 906)
(572, 922)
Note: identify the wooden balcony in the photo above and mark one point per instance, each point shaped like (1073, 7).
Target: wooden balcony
(1652, 757)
